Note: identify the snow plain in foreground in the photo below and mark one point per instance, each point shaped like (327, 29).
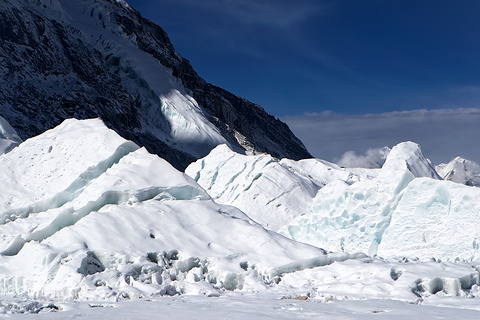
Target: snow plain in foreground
(92, 225)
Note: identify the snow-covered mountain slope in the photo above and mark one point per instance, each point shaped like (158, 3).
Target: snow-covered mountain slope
(401, 212)
(85, 214)
(9, 138)
(460, 170)
(98, 58)
(270, 191)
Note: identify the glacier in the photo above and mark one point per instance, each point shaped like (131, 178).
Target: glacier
(272, 192)
(90, 215)
(89, 220)
(94, 225)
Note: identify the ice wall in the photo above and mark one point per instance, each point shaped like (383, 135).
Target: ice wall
(405, 211)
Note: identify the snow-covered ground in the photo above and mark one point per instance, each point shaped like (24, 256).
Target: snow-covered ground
(92, 225)
(259, 306)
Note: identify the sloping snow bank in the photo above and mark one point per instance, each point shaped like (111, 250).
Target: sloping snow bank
(9, 138)
(404, 211)
(272, 192)
(86, 214)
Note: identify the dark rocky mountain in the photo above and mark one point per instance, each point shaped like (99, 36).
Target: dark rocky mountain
(99, 58)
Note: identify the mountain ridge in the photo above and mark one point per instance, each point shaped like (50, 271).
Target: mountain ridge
(85, 59)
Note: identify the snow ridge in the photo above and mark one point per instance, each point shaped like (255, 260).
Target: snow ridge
(81, 59)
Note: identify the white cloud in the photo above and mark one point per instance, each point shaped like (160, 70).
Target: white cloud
(373, 158)
(442, 133)
(267, 12)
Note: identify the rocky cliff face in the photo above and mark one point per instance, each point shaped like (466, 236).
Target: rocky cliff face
(99, 58)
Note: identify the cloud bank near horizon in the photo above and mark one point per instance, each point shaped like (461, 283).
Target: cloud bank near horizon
(443, 134)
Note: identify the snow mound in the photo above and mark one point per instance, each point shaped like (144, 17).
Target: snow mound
(88, 215)
(395, 214)
(270, 191)
(9, 138)
(461, 171)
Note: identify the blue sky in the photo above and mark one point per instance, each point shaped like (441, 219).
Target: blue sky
(304, 57)
(354, 57)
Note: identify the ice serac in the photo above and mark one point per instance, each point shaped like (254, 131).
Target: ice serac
(434, 219)
(97, 58)
(461, 171)
(86, 214)
(272, 192)
(404, 211)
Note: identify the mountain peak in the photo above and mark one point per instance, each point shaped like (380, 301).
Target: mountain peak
(460, 170)
(87, 59)
(409, 156)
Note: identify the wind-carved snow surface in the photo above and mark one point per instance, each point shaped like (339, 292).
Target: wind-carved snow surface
(89, 215)
(9, 138)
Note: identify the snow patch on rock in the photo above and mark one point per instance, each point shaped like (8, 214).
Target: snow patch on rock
(9, 138)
